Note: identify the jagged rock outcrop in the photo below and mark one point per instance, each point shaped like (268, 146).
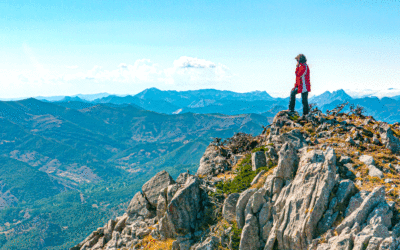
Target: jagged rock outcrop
(241, 205)
(179, 210)
(151, 189)
(388, 139)
(302, 202)
(139, 206)
(250, 234)
(184, 212)
(213, 162)
(312, 194)
(229, 208)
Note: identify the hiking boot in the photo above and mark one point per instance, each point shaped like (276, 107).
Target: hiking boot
(304, 117)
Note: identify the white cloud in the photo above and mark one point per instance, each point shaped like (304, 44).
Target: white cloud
(191, 62)
(189, 71)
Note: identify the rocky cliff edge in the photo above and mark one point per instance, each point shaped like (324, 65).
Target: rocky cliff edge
(320, 182)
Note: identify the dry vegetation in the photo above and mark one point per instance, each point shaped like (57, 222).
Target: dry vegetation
(152, 244)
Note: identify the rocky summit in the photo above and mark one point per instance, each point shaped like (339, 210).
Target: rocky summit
(323, 181)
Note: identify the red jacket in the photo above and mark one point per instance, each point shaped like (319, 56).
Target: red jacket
(303, 78)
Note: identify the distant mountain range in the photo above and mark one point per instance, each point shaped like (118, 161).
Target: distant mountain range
(79, 151)
(210, 101)
(78, 142)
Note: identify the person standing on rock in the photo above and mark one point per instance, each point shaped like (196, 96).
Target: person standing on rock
(302, 85)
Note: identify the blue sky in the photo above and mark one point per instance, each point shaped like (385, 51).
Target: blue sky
(122, 47)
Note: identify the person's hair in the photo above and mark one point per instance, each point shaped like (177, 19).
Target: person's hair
(301, 58)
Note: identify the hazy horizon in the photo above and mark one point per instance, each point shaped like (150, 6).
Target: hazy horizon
(390, 92)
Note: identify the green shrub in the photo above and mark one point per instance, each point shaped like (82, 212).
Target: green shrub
(243, 179)
(236, 233)
(263, 149)
(294, 117)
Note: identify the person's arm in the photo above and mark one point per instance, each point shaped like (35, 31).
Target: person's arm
(300, 70)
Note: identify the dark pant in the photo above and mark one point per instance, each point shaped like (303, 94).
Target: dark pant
(304, 99)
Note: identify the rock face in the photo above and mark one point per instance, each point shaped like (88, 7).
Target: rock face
(229, 208)
(139, 206)
(258, 160)
(308, 199)
(388, 139)
(302, 202)
(287, 164)
(179, 209)
(241, 205)
(250, 234)
(184, 212)
(151, 189)
(212, 162)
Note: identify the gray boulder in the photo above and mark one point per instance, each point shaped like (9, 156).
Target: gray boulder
(389, 139)
(241, 205)
(152, 188)
(361, 241)
(367, 159)
(327, 220)
(266, 230)
(184, 211)
(396, 230)
(162, 204)
(287, 164)
(171, 191)
(258, 160)
(342, 242)
(212, 162)
(265, 214)
(250, 239)
(229, 208)
(374, 172)
(139, 206)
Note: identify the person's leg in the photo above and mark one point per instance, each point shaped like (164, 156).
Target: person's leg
(304, 99)
(292, 102)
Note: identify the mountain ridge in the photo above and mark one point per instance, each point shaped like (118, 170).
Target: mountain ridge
(301, 184)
